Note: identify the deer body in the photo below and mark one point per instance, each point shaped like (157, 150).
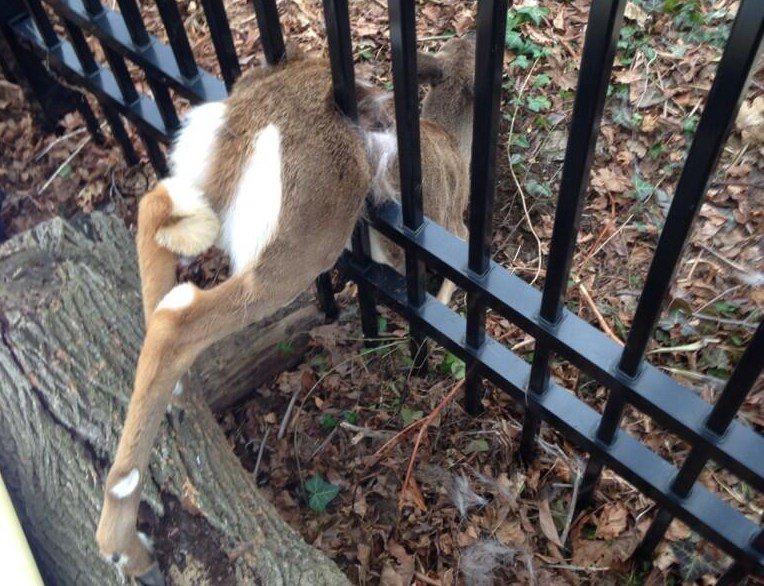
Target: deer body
(446, 142)
(277, 177)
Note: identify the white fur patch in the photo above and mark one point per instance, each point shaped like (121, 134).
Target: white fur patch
(192, 152)
(382, 150)
(178, 390)
(196, 225)
(179, 297)
(127, 485)
(146, 541)
(377, 249)
(251, 220)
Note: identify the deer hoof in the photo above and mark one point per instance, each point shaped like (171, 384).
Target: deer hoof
(153, 577)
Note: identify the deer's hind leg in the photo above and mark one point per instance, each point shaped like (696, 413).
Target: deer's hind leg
(173, 219)
(447, 289)
(185, 322)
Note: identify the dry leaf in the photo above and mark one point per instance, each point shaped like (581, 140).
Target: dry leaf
(636, 13)
(411, 493)
(750, 121)
(612, 521)
(547, 523)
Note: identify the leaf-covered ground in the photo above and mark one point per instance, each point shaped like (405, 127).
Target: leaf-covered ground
(471, 509)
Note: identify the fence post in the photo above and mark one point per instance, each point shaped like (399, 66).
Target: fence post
(50, 100)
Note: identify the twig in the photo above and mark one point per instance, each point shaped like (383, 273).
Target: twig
(261, 451)
(725, 260)
(427, 580)
(425, 424)
(514, 175)
(729, 322)
(60, 139)
(601, 246)
(288, 413)
(362, 432)
(593, 306)
(577, 568)
(322, 445)
(68, 160)
(571, 508)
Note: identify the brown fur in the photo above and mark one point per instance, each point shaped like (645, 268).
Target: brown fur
(325, 177)
(445, 136)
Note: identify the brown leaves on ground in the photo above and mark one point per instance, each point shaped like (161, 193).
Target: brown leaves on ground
(467, 490)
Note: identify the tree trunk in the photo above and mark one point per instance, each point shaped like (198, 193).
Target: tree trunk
(71, 322)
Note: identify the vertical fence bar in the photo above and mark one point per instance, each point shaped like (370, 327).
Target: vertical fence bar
(406, 93)
(222, 40)
(735, 391)
(489, 56)
(136, 28)
(270, 30)
(135, 25)
(129, 93)
(90, 67)
(605, 19)
(343, 81)
(723, 101)
(51, 40)
(732, 576)
(176, 33)
(42, 22)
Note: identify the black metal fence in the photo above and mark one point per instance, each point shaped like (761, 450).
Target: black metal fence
(711, 430)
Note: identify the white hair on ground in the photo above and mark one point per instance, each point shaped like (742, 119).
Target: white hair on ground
(462, 495)
(480, 561)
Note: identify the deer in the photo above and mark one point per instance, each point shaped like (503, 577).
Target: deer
(272, 168)
(446, 146)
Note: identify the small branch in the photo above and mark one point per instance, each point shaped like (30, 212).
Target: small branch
(593, 306)
(427, 580)
(64, 164)
(514, 175)
(571, 508)
(425, 424)
(288, 413)
(362, 432)
(261, 451)
(322, 445)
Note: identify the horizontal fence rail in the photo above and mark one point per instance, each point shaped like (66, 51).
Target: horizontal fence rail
(712, 431)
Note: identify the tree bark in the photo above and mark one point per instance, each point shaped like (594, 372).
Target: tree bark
(71, 322)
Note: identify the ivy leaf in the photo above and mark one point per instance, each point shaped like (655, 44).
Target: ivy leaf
(453, 365)
(477, 445)
(538, 103)
(285, 347)
(409, 416)
(520, 141)
(328, 422)
(542, 80)
(520, 61)
(321, 493)
(533, 13)
(537, 189)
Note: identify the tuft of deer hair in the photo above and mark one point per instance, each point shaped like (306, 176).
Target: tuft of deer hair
(276, 177)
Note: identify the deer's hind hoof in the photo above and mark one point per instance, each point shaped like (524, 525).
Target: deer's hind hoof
(153, 577)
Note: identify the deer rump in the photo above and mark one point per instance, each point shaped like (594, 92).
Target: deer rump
(277, 177)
